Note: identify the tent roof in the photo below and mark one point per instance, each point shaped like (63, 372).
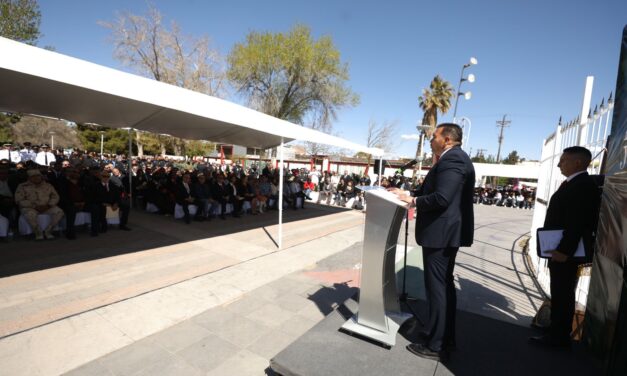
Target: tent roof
(42, 82)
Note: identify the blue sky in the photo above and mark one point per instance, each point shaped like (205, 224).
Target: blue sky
(533, 55)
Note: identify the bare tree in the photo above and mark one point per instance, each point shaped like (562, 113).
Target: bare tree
(381, 135)
(145, 44)
(318, 121)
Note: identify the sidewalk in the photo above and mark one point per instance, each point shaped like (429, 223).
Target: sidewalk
(240, 338)
(62, 344)
(233, 321)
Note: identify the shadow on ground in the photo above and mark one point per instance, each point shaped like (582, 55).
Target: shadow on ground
(23, 254)
(485, 346)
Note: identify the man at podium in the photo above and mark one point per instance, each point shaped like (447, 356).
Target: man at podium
(445, 222)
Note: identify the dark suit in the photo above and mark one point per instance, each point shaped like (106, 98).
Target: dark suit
(222, 193)
(98, 195)
(574, 207)
(444, 223)
(182, 195)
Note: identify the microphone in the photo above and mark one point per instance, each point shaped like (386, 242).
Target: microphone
(409, 164)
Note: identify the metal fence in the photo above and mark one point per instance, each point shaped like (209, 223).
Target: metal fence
(591, 133)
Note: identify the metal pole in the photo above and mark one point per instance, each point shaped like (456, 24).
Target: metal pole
(459, 85)
(51, 140)
(503, 123)
(420, 157)
(380, 168)
(130, 168)
(466, 120)
(101, 144)
(281, 196)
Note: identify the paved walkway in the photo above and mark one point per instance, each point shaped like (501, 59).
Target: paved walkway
(233, 320)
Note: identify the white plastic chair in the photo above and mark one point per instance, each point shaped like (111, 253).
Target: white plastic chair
(179, 213)
(43, 220)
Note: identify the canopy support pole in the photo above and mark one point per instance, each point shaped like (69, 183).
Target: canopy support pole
(281, 196)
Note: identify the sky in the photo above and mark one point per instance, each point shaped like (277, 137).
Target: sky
(533, 55)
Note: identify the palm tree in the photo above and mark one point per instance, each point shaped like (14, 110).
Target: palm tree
(437, 97)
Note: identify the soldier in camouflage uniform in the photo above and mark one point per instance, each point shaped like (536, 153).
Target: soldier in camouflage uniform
(35, 196)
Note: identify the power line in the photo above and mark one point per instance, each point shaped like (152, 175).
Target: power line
(503, 124)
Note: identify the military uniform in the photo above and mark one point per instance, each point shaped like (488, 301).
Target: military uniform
(28, 196)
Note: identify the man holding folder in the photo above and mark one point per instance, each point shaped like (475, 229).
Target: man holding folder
(573, 208)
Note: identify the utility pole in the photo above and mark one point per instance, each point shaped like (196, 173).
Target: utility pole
(481, 152)
(503, 124)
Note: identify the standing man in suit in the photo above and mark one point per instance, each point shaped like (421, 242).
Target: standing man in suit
(445, 222)
(574, 207)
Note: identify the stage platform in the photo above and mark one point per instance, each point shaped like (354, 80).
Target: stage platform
(484, 347)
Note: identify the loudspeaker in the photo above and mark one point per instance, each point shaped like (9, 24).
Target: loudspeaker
(377, 163)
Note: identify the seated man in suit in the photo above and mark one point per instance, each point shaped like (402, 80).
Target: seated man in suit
(72, 198)
(103, 195)
(35, 197)
(222, 193)
(184, 196)
(201, 191)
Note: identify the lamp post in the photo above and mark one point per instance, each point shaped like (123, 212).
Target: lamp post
(101, 144)
(51, 140)
(463, 122)
(422, 129)
(467, 95)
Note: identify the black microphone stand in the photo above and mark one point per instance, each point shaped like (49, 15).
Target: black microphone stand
(404, 297)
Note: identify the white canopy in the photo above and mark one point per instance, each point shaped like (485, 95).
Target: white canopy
(42, 82)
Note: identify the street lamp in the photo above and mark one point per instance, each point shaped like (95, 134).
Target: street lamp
(463, 121)
(101, 144)
(422, 129)
(51, 140)
(467, 95)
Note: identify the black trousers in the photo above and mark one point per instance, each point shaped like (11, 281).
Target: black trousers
(441, 296)
(563, 284)
(70, 217)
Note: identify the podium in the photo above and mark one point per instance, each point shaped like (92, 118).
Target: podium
(379, 316)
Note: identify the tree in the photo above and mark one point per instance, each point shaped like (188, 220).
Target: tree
(199, 148)
(512, 158)
(291, 76)
(115, 140)
(436, 98)
(7, 120)
(38, 130)
(19, 20)
(145, 44)
(380, 136)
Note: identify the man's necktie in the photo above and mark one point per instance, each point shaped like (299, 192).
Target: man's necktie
(46, 158)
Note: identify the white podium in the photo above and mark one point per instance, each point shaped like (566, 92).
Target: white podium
(379, 316)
